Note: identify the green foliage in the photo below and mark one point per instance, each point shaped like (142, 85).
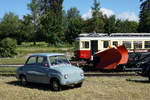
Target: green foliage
(54, 6)
(110, 24)
(74, 25)
(51, 21)
(96, 10)
(144, 24)
(65, 23)
(10, 26)
(27, 28)
(34, 6)
(8, 47)
(96, 23)
(73, 13)
(126, 26)
(50, 28)
(75, 28)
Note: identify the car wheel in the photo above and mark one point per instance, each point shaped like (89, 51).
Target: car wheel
(149, 77)
(54, 85)
(78, 85)
(23, 81)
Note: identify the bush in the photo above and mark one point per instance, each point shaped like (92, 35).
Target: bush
(8, 47)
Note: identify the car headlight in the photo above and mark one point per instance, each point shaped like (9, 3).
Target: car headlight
(66, 76)
(82, 74)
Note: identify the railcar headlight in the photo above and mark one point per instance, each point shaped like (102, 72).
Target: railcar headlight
(82, 74)
(66, 76)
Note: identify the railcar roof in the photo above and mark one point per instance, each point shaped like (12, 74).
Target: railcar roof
(47, 54)
(130, 34)
(114, 35)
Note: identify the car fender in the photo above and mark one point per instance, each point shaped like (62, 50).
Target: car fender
(56, 75)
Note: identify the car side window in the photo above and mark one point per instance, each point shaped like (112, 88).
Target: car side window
(42, 61)
(31, 61)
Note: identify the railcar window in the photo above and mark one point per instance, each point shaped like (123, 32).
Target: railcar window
(127, 44)
(106, 44)
(115, 43)
(137, 44)
(85, 44)
(147, 44)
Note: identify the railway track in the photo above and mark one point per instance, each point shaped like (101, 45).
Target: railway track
(10, 65)
(87, 74)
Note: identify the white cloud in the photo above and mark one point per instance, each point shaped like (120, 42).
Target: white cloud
(128, 16)
(87, 15)
(123, 16)
(105, 11)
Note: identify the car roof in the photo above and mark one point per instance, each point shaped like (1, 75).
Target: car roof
(47, 54)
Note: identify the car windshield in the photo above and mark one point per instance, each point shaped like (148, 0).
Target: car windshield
(56, 60)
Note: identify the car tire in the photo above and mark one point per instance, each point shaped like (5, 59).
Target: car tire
(23, 81)
(149, 77)
(78, 85)
(55, 85)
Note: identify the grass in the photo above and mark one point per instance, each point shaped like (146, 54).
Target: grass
(94, 88)
(28, 48)
(36, 49)
(13, 61)
(8, 70)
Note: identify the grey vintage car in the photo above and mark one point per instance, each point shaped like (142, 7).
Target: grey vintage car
(50, 68)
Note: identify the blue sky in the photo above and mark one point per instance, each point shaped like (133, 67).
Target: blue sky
(123, 9)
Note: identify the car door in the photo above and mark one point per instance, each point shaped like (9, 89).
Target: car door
(41, 70)
(30, 68)
(37, 68)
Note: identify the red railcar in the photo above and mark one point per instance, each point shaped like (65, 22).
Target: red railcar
(111, 49)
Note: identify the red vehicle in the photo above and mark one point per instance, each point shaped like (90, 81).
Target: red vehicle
(108, 51)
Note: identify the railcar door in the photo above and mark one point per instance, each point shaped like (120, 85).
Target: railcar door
(94, 47)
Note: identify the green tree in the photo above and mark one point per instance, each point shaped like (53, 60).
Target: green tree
(34, 6)
(27, 28)
(96, 23)
(75, 28)
(126, 26)
(75, 25)
(53, 6)
(50, 28)
(64, 20)
(110, 24)
(44, 6)
(8, 47)
(73, 13)
(51, 23)
(144, 23)
(10, 27)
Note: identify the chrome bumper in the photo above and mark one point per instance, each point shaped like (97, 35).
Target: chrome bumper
(73, 83)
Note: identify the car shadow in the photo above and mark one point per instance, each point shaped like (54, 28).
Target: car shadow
(38, 86)
(138, 80)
